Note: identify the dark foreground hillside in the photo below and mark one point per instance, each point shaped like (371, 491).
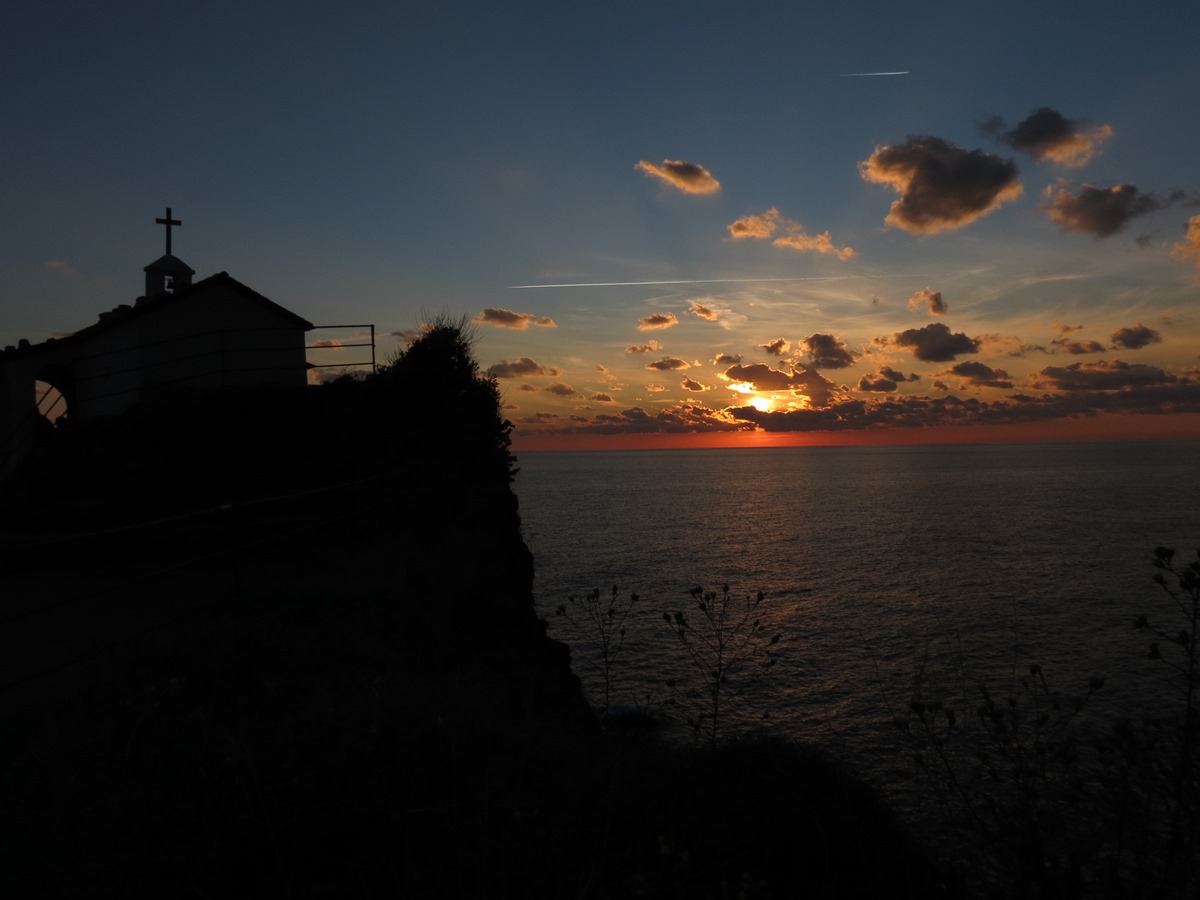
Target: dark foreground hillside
(319, 673)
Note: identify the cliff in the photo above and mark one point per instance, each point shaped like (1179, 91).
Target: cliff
(300, 638)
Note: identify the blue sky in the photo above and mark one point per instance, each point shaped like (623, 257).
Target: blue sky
(368, 162)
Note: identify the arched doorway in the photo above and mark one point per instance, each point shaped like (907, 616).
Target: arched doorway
(54, 391)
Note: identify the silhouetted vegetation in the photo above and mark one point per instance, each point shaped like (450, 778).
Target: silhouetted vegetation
(602, 623)
(731, 642)
(1036, 804)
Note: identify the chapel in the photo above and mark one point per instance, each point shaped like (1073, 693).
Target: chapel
(180, 335)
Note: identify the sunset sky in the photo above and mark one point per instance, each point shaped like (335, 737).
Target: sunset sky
(675, 224)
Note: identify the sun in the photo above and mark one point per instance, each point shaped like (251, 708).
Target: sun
(762, 404)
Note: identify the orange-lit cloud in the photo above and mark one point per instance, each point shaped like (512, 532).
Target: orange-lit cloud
(1047, 135)
(656, 321)
(644, 348)
(935, 342)
(1101, 212)
(794, 236)
(820, 243)
(928, 412)
(760, 377)
(1189, 247)
(684, 418)
(885, 380)
(1072, 346)
(727, 359)
(826, 352)
(696, 308)
(777, 347)
(689, 384)
(506, 318)
(805, 381)
(1078, 348)
(1085, 390)
(521, 368)
(759, 226)
(690, 178)
(942, 186)
(58, 265)
(561, 389)
(1135, 337)
(1101, 376)
(331, 344)
(668, 364)
(931, 300)
(976, 374)
(601, 398)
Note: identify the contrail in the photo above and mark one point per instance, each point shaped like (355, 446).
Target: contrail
(523, 287)
(869, 74)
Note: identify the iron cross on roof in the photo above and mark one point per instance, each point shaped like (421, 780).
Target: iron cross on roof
(168, 221)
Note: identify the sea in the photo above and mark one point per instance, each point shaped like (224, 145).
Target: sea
(890, 574)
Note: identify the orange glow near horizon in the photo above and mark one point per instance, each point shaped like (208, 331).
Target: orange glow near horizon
(1181, 426)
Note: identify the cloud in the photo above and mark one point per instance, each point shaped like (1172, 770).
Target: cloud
(1047, 135)
(1135, 337)
(330, 344)
(506, 318)
(690, 178)
(1091, 389)
(885, 380)
(656, 321)
(1166, 395)
(1074, 347)
(1078, 348)
(644, 348)
(819, 243)
(601, 398)
(727, 359)
(1100, 376)
(759, 226)
(979, 375)
(1100, 211)
(521, 368)
(931, 300)
(1190, 245)
(941, 186)
(705, 312)
(777, 347)
(58, 265)
(689, 385)
(936, 343)
(762, 377)
(668, 364)
(685, 418)
(561, 389)
(811, 384)
(794, 236)
(826, 352)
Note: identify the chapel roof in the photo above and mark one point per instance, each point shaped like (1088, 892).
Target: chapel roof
(126, 313)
